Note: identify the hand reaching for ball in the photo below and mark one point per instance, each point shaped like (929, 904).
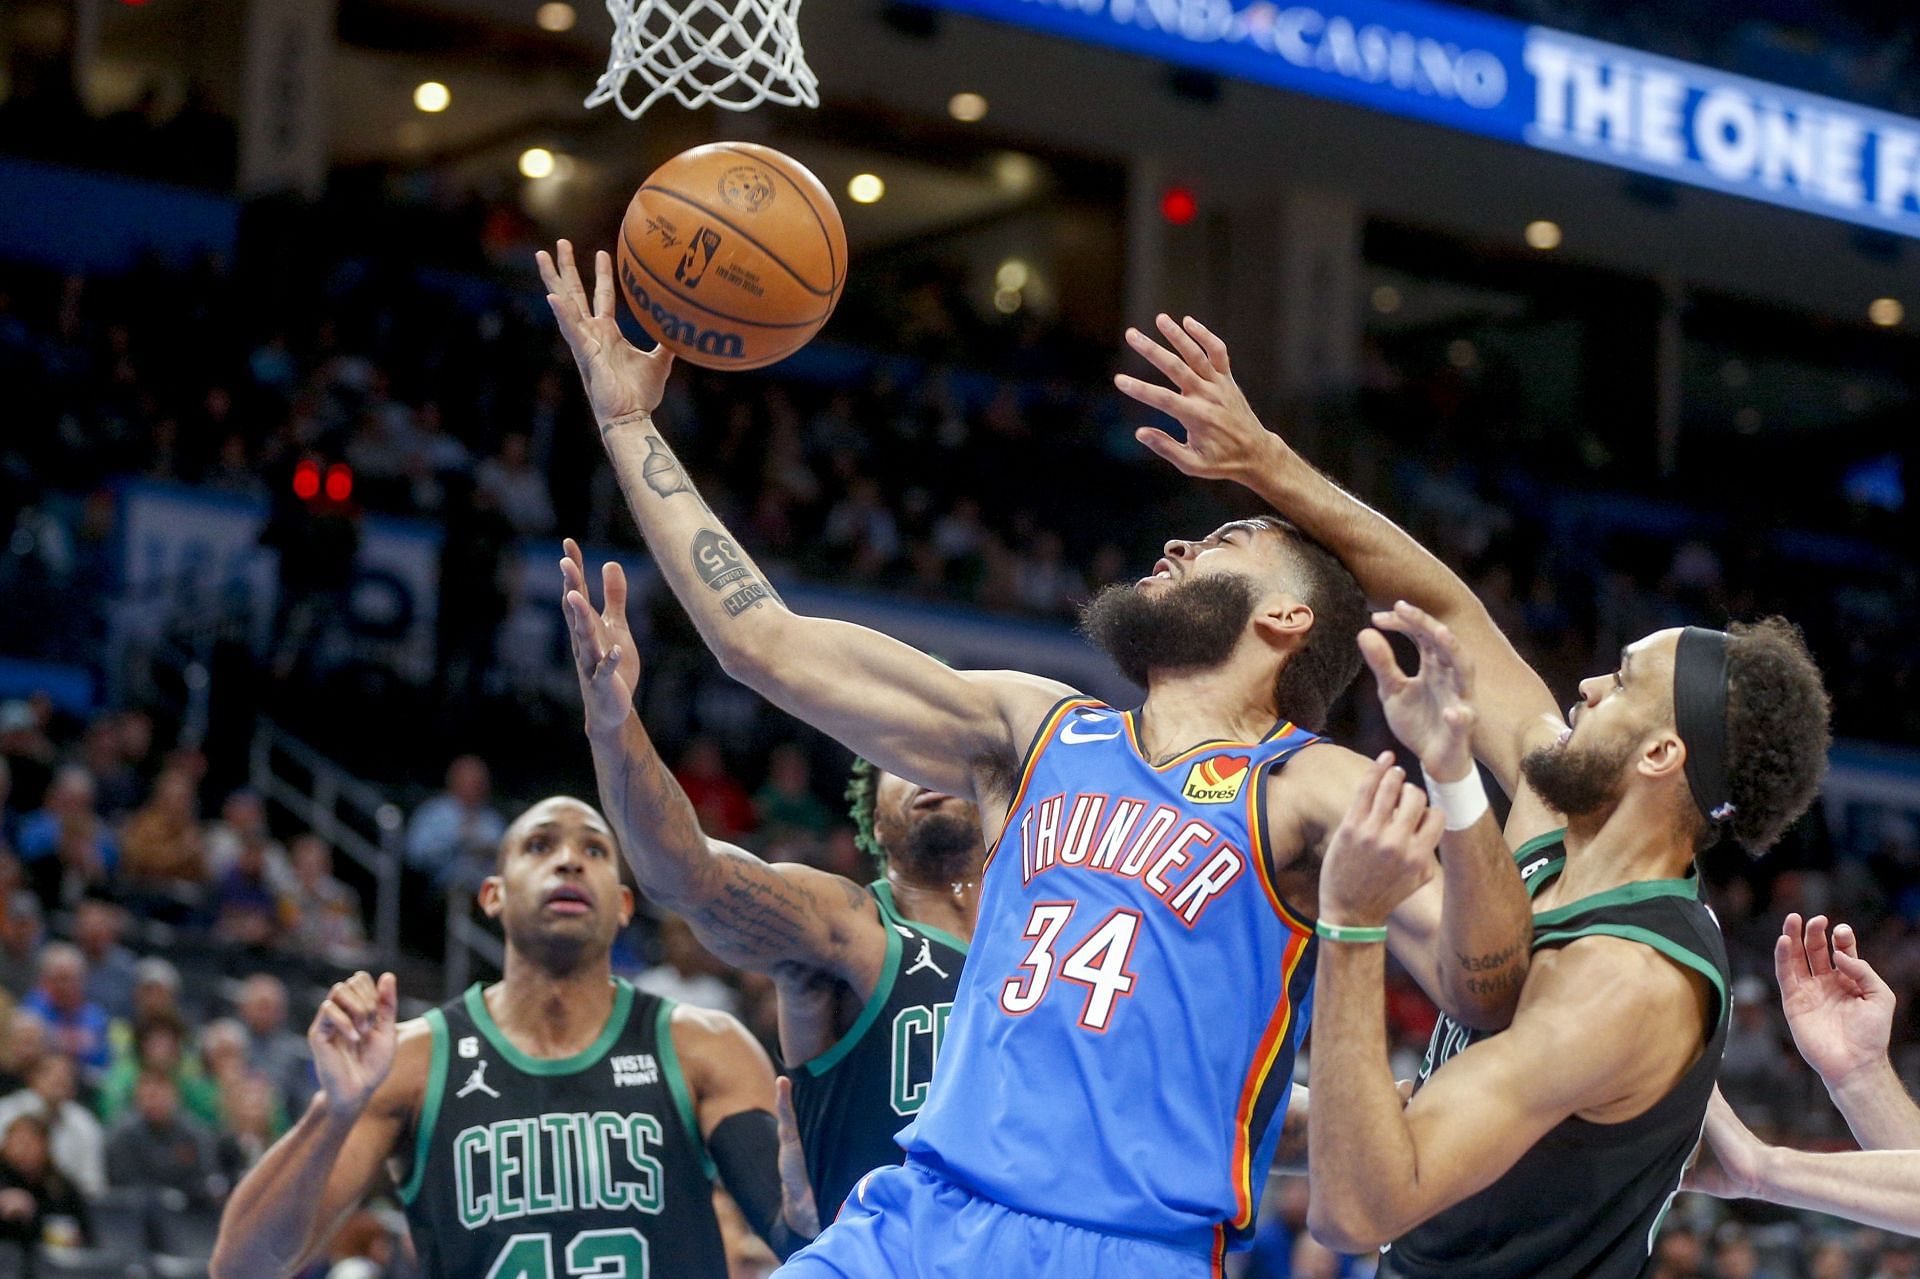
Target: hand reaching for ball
(622, 381)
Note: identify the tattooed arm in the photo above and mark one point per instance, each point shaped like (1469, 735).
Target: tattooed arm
(786, 920)
(889, 702)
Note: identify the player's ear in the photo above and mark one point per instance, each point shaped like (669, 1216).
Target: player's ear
(1663, 755)
(1284, 624)
(490, 895)
(626, 905)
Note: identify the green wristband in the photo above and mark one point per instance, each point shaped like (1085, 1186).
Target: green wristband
(1348, 932)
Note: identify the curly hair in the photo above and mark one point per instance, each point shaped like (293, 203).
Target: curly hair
(863, 792)
(1778, 729)
(1320, 670)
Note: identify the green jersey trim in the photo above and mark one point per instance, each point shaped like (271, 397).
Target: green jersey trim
(1624, 895)
(888, 906)
(430, 1108)
(593, 1052)
(1665, 945)
(677, 1084)
(1545, 840)
(870, 1012)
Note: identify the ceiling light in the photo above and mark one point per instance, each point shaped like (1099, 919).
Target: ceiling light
(536, 162)
(1886, 312)
(1007, 301)
(866, 188)
(967, 107)
(555, 16)
(1543, 235)
(1386, 299)
(432, 97)
(1013, 274)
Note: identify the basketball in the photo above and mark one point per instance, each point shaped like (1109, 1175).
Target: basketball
(732, 255)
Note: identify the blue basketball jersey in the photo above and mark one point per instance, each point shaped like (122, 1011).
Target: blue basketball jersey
(1122, 1042)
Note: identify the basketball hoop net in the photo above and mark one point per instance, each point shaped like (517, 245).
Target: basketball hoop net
(733, 53)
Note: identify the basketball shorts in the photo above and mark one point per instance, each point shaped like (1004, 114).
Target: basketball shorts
(906, 1222)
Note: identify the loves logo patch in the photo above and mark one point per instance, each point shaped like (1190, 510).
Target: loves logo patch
(1217, 780)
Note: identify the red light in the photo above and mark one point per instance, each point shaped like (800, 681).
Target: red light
(1178, 206)
(306, 481)
(339, 483)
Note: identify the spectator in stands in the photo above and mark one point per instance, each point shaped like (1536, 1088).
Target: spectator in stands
(155, 1146)
(786, 804)
(325, 913)
(111, 968)
(21, 1049)
(243, 821)
(862, 531)
(29, 754)
(223, 1055)
(76, 1025)
(79, 1143)
(456, 832)
(722, 803)
(687, 972)
(67, 841)
(20, 933)
(165, 853)
(156, 989)
(37, 1203)
(159, 1047)
(117, 786)
(246, 910)
(246, 1127)
(517, 487)
(273, 1049)
(1754, 1074)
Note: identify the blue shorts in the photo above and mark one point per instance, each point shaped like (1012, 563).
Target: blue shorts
(907, 1222)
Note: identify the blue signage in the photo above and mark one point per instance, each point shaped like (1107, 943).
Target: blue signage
(1530, 85)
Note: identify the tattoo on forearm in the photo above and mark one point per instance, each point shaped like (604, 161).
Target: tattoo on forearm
(1489, 961)
(717, 561)
(663, 474)
(1498, 984)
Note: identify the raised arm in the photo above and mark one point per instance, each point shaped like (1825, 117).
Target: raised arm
(286, 1209)
(1841, 1016)
(1225, 440)
(1877, 1188)
(780, 920)
(889, 702)
(1597, 1032)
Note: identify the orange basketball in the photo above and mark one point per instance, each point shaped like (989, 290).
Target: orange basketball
(732, 255)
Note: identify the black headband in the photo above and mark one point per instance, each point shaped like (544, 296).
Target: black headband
(1700, 716)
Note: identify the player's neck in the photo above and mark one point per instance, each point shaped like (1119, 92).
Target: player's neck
(951, 906)
(1185, 708)
(1626, 845)
(548, 1014)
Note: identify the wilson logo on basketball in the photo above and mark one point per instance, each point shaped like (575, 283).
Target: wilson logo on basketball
(1217, 780)
(710, 342)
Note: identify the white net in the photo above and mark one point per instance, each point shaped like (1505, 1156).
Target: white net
(732, 53)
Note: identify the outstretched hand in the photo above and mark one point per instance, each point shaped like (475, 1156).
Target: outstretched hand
(1839, 1009)
(1383, 850)
(354, 1037)
(796, 1192)
(1430, 712)
(621, 380)
(1224, 439)
(604, 655)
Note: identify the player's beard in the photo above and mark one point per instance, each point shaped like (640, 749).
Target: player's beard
(1191, 625)
(1576, 781)
(940, 847)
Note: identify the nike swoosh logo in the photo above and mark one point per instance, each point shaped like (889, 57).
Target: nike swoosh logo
(1070, 733)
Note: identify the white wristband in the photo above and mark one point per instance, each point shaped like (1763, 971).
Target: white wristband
(1463, 802)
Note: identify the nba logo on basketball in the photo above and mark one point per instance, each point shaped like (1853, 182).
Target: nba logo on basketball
(1217, 780)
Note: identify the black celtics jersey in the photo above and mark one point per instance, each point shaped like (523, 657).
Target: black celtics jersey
(1586, 1201)
(853, 1098)
(590, 1165)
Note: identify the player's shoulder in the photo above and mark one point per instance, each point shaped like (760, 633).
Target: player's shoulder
(715, 1049)
(1615, 978)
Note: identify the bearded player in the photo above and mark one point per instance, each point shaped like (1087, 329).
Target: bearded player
(1550, 1149)
(1122, 1040)
(865, 975)
(557, 1123)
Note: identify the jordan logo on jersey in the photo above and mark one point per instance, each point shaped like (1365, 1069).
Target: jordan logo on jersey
(925, 961)
(477, 1082)
(1217, 780)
